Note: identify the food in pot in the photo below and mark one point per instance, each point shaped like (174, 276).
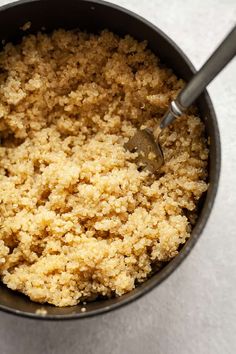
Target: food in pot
(77, 218)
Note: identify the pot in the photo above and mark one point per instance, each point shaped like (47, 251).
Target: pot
(95, 15)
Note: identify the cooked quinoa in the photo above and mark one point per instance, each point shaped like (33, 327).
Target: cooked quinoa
(77, 219)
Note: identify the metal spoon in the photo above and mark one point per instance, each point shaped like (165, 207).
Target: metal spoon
(146, 142)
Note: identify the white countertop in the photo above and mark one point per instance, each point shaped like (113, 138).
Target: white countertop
(194, 310)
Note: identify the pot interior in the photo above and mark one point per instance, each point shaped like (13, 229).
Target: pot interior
(94, 16)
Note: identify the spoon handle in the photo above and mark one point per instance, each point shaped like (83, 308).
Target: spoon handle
(217, 61)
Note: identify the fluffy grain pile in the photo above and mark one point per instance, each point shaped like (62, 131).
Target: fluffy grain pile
(77, 219)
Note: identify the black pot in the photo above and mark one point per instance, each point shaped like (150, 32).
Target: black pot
(95, 15)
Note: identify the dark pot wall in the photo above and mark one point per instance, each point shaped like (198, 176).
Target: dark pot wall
(94, 16)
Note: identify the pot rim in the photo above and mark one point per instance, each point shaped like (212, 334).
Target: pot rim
(174, 263)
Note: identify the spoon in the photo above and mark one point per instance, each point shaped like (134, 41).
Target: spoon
(146, 142)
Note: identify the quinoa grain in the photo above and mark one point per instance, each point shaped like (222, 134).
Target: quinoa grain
(77, 217)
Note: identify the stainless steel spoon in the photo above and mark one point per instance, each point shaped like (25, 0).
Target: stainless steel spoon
(146, 142)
